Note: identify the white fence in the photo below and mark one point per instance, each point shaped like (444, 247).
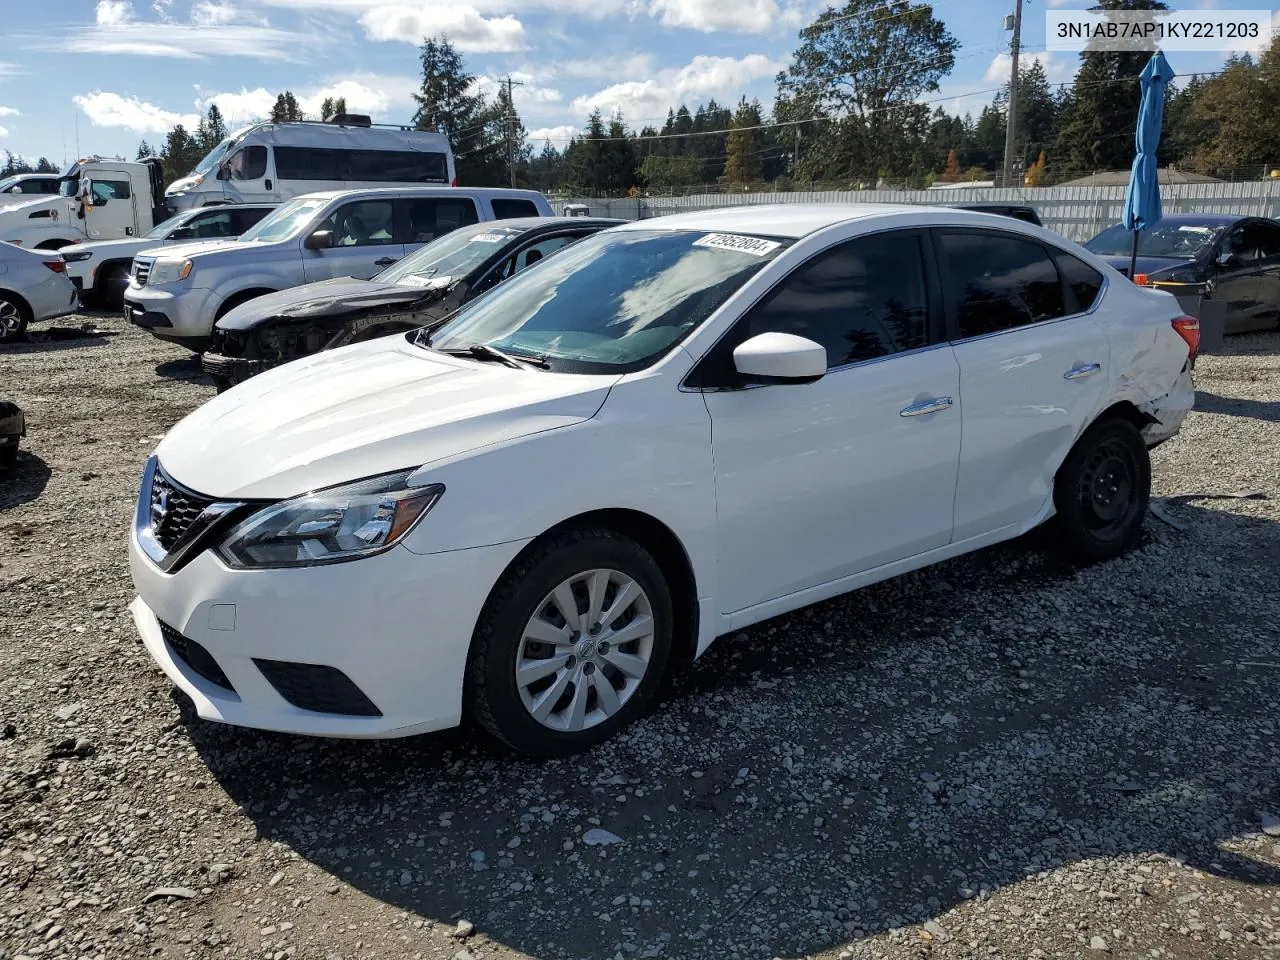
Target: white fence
(1075, 212)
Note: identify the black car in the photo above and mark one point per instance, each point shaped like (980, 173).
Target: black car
(421, 290)
(1231, 258)
(13, 427)
(1026, 214)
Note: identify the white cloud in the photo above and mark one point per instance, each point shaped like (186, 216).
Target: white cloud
(4, 131)
(9, 112)
(1062, 3)
(240, 108)
(743, 16)
(113, 12)
(112, 110)
(463, 24)
(184, 41)
(647, 101)
(596, 68)
(527, 90)
(1002, 65)
(559, 136)
(209, 13)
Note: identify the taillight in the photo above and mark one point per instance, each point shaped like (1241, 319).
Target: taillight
(454, 182)
(1188, 328)
(57, 266)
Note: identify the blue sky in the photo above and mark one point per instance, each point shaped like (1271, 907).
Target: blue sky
(108, 73)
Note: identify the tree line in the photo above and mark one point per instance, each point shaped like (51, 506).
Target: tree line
(15, 164)
(852, 108)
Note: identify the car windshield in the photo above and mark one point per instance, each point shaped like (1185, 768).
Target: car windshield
(212, 158)
(162, 230)
(611, 303)
(452, 256)
(285, 220)
(1182, 241)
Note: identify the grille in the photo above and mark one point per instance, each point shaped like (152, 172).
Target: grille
(316, 687)
(141, 270)
(173, 510)
(195, 656)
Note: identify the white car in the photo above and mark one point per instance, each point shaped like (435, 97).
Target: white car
(100, 269)
(179, 294)
(666, 432)
(33, 287)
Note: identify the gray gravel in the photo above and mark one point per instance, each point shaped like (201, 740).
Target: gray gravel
(999, 757)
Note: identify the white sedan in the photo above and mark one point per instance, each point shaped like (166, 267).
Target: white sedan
(33, 287)
(668, 431)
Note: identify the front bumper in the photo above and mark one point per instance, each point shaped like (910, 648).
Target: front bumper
(398, 625)
(182, 316)
(233, 369)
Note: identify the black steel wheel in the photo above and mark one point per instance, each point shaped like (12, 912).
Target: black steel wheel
(1102, 490)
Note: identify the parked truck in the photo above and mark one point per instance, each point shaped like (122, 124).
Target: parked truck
(97, 200)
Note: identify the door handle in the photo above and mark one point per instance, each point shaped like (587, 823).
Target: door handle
(925, 407)
(1082, 370)
(384, 262)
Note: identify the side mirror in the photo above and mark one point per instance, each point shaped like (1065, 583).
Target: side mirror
(320, 240)
(1227, 259)
(224, 171)
(780, 358)
(85, 190)
(182, 233)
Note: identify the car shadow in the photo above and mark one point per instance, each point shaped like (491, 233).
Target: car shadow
(25, 483)
(184, 368)
(1268, 410)
(851, 768)
(58, 338)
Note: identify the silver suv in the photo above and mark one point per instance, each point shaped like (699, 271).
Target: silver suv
(179, 294)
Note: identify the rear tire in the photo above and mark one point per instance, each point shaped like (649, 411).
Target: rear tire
(1101, 492)
(582, 681)
(14, 317)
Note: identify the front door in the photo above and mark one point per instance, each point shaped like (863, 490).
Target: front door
(109, 211)
(1033, 371)
(817, 482)
(362, 238)
(247, 178)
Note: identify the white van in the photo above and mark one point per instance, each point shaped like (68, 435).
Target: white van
(272, 162)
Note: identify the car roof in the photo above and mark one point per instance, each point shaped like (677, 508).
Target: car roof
(442, 189)
(796, 220)
(232, 206)
(552, 223)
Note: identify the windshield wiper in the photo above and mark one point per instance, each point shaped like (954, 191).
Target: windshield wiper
(482, 351)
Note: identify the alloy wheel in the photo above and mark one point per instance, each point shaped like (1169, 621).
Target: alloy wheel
(585, 650)
(10, 319)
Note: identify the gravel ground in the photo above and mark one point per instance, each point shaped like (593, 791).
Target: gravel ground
(998, 757)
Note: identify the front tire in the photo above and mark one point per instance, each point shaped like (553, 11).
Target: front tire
(572, 644)
(1101, 492)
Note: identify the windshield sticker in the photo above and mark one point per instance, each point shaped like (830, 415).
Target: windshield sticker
(487, 238)
(728, 241)
(1203, 231)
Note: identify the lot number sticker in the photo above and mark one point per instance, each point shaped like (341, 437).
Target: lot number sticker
(728, 241)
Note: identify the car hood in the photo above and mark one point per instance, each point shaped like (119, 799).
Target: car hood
(363, 410)
(324, 299)
(194, 248)
(105, 248)
(1149, 265)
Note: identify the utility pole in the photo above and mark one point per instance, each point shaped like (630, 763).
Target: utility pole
(1011, 121)
(511, 128)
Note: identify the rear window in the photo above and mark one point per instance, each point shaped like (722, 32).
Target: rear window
(508, 209)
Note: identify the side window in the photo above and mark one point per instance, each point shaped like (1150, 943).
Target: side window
(211, 225)
(104, 190)
(248, 164)
(242, 220)
(432, 217)
(861, 300)
(1236, 244)
(999, 282)
(1268, 240)
(397, 166)
(310, 163)
(361, 224)
(543, 248)
(1082, 279)
(507, 208)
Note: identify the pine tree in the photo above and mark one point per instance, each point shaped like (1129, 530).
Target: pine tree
(331, 108)
(144, 150)
(43, 165)
(286, 108)
(446, 103)
(743, 164)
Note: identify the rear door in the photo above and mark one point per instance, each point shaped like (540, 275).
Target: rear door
(1237, 278)
(1033, 370)
(420, 220)
(363, 242)
(1263, 237)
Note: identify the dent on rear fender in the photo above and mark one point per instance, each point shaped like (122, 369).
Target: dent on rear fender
(1166, 404)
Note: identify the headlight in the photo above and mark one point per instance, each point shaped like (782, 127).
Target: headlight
(169, 271)
(342, 523)
(77, 257)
